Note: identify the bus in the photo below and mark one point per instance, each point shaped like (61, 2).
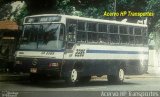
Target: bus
(75, 48)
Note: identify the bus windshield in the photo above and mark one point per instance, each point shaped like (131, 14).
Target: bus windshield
(42, 37)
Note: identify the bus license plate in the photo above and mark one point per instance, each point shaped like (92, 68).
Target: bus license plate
(33, 70)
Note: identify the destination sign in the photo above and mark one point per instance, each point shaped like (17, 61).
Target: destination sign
(41, 19)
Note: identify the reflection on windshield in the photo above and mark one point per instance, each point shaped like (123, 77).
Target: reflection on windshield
(42, 37)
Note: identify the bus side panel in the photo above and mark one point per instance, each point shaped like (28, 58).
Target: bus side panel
(103, 67)
(90, 67)
(85, 67)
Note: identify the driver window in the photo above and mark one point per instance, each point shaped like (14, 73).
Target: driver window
(61, 34)
(61, 37)
(49, 36)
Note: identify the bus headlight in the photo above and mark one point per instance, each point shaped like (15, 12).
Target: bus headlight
(18, 62)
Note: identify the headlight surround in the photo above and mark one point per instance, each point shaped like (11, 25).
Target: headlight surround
(18, 62)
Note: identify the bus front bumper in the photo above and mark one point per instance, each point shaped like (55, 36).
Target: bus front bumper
(55, 72)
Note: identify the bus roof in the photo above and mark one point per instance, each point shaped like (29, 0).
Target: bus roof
(92, 20)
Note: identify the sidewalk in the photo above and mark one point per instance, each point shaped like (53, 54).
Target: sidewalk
(153, 72)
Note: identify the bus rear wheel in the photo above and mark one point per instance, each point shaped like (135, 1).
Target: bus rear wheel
(118, 78)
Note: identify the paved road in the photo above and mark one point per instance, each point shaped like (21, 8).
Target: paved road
(60, 89)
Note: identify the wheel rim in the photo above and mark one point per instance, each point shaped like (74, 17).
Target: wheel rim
(121, 74)
(74, 75)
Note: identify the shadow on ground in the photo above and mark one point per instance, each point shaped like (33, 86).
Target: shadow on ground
(62, 84)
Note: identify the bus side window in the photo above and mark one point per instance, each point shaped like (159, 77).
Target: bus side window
(131, 35)
(113, 34)
(124, 36)
(145, 36)
(138, 36)
(72, 33)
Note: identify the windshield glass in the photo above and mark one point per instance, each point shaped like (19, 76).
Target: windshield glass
(42, 37)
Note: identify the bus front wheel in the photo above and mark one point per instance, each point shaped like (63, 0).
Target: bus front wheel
(72, 78)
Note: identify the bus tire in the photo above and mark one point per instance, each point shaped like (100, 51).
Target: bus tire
(118, 78)
(72, 78)
(85, 79)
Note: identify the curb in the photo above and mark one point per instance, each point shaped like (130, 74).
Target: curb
(131, 76)
(142, 76)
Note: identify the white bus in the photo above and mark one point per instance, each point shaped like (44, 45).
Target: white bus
(75, 48)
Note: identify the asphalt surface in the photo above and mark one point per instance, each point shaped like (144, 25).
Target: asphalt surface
(94, 88)
(13, 85)
(17, 77)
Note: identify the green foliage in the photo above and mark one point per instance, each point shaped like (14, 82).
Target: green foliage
(154, 22)
(85, 8)
(15, 14)
(5, 12)
(3, 2)
(157, 35)
(20, 16)
(96, 8)
(157, 26)
(154, 6)
(88, 8)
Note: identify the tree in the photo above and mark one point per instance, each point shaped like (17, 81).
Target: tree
(21, 14)
(14, 13)
(154, 6)
(3, 2)
(156, 37)
(41, 6)
(91, 8)
(5, 11)
(154, 22)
